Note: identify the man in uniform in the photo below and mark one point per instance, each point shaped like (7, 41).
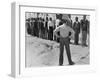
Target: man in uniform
(64, 41)
(76, 27)
(84, 28)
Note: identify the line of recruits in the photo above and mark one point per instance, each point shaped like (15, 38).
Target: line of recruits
(40, 27)
(43, 28)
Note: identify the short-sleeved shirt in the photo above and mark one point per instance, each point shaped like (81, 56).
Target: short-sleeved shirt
(64, 30)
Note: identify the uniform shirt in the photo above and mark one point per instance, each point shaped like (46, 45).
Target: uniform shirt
(64, 31)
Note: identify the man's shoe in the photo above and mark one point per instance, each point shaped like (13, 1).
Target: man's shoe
(72, 63)
(60, 64)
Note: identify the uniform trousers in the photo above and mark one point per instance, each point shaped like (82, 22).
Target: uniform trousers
(64, 42)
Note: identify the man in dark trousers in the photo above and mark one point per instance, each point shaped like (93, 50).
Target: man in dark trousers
(50, 27)
(28, 26)
(76, 28)
(42, 28)
(84, 28)
(36, 29)
(64, 41)
(32, 27)
(46, 28)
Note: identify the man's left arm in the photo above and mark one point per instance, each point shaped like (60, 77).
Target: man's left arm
(72, 33)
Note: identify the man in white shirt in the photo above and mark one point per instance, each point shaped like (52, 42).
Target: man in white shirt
(57, 22)
(64, 41)
(50, 28)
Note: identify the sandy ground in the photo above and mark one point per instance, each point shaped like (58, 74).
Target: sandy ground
(40, 52)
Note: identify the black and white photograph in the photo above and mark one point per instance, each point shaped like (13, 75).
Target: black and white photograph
(52, 40)
(56, 39)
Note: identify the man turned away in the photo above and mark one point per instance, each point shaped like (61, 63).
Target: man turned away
(64, 30)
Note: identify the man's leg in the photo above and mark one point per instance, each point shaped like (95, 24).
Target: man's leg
(68, 52)
(49, 34)
(85, 37)
(52, 33)
(77, 38)
(61, 52)
(58, 39)
(82, 38)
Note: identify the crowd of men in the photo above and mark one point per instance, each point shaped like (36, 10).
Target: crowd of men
(44, 27)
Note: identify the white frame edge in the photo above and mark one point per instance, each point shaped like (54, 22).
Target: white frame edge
(14, 40)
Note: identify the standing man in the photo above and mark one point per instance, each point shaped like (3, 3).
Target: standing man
(84, 28)
(42, 28)
(64, 41)
(76, 28)
(50, 26)
(32, 27)
(46, 28)
(28, 25)
(36, 28)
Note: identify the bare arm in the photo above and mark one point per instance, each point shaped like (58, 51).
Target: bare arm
(72, 33)
(56, 31)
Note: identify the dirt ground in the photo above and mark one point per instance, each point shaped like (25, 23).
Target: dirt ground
(41, 52)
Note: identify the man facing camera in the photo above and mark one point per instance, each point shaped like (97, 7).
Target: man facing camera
(64, 30)
(76, 28)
